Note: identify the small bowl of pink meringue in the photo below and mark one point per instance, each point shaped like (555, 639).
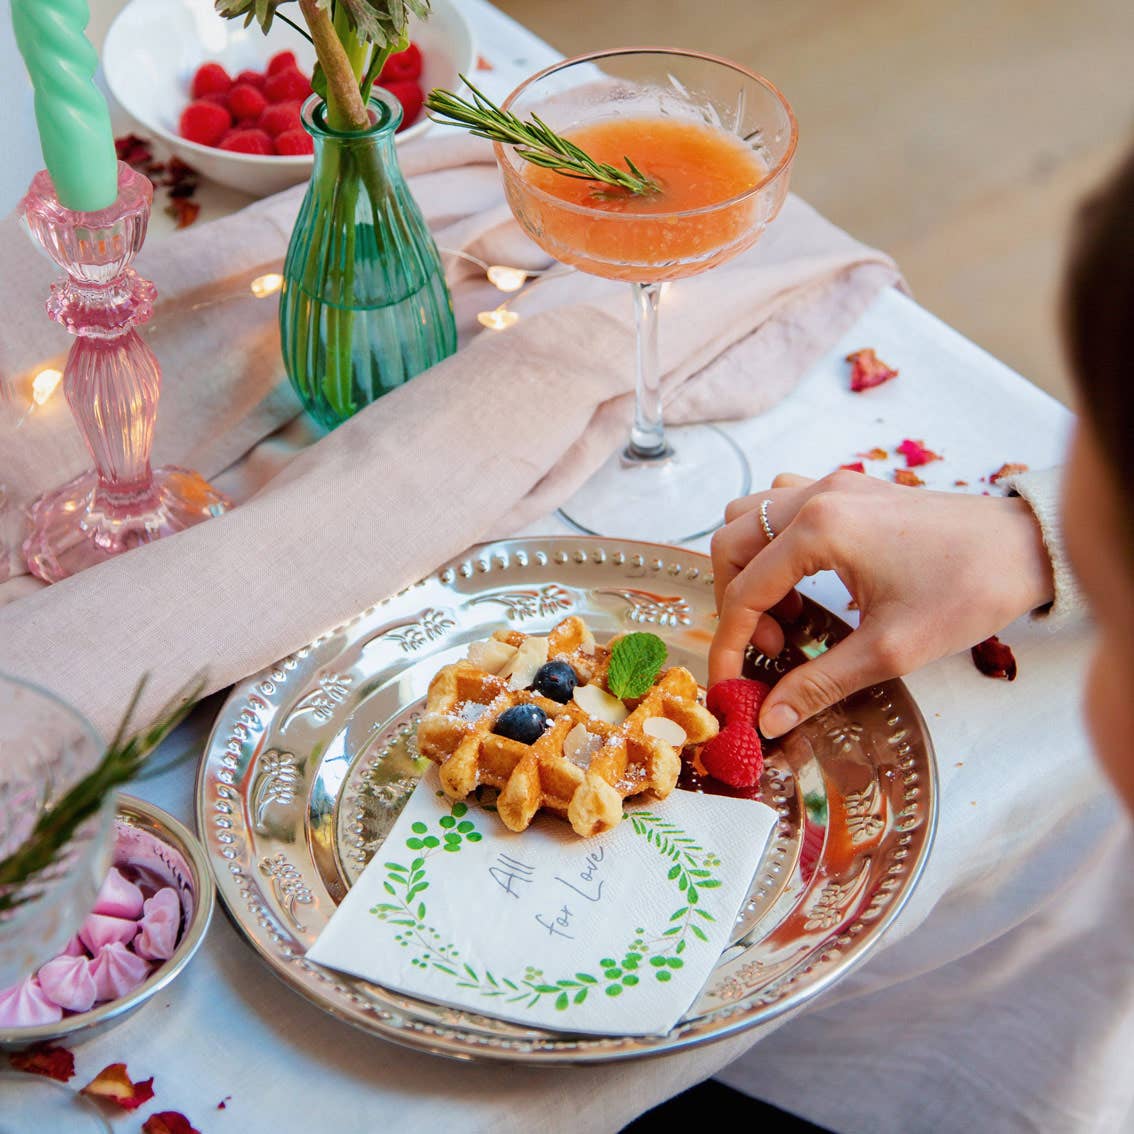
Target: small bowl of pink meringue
(150, 917)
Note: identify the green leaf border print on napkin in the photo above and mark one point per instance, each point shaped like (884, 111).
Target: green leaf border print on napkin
(656, 950)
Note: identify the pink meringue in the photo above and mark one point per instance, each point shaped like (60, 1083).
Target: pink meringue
(117, 971)
(68, 981)
(118, 896)
(25, 1005)
(74, 948)
(159, 927)
(99, 930)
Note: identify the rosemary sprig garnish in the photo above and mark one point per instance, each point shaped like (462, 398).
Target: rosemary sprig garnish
(534, 141)
(121, 762)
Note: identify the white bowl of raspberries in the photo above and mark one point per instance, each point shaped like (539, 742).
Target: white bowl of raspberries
(225, 98)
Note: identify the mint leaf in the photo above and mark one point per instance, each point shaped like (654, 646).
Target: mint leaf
(635, 662)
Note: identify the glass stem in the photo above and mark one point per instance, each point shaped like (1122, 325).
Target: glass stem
(647, 437)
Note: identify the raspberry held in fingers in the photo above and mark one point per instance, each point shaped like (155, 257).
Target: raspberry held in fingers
(735, 755)
(738, 698)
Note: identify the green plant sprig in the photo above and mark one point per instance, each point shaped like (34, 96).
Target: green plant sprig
(534, 140)
(121, 762)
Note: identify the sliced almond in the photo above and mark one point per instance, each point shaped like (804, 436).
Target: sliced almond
(491, 656)
(665, 729)
(598, 703)
(579, 745)
(521, 670)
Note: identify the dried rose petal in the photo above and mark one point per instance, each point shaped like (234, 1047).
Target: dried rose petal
(483, 64)
(1007, 469)
(112, 1084)
(961, 483)
(54, 1062)
(916, 453)
(868, 370)
(875, 454)
(908, 478)
(994, 659)
(168, 1122)
(179, 172)
(854, 466)
(134, 151)
(183, 211)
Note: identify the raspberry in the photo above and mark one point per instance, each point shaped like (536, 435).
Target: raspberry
(252, 78)
(281, 117)
(204, 122)
(246, 102)
(292, 142)
(736, 700)
(247, 141)
(217, 98)
(734, 756)
(210, 78)
(286, 86)
(410, 95)
(402, 65)
(282, 61)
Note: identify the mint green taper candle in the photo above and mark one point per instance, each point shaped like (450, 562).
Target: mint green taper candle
(70, 111)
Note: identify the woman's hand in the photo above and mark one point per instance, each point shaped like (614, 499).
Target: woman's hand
(931, 572)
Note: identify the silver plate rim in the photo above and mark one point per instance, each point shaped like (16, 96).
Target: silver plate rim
(454, 1042)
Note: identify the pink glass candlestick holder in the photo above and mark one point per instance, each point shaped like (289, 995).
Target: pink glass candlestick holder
(112, 382)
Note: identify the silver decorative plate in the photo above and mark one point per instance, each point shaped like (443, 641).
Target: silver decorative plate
(311, 759)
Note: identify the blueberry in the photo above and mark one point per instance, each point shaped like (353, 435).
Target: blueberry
(524, 723)
(556, 680)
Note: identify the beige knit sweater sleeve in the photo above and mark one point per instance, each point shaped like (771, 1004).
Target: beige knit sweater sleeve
(1041, 489)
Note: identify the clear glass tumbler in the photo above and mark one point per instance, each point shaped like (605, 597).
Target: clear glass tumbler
(45, 747)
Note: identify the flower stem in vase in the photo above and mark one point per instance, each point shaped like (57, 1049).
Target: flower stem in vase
(364, 306)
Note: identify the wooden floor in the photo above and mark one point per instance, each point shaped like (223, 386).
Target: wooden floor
(957, 136)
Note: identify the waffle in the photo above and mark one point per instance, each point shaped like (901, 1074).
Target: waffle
(582, 777)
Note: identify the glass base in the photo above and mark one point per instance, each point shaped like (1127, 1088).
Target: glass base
(674, 498)
(32, 1102)
(71, 530)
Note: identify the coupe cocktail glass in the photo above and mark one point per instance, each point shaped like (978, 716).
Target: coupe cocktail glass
(720, 139)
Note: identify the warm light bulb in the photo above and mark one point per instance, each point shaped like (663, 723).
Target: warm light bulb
(498, 320)
(505, 278)
(44, 383)
(269, 284)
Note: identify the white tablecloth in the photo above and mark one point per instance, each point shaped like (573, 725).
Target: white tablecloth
(1002, 1000)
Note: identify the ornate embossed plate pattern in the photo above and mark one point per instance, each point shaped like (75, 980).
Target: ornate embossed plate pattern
(311, 759)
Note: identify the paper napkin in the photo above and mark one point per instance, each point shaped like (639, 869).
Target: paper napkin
(615, 934)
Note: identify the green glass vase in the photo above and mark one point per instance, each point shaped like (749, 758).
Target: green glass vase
(364, 305)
